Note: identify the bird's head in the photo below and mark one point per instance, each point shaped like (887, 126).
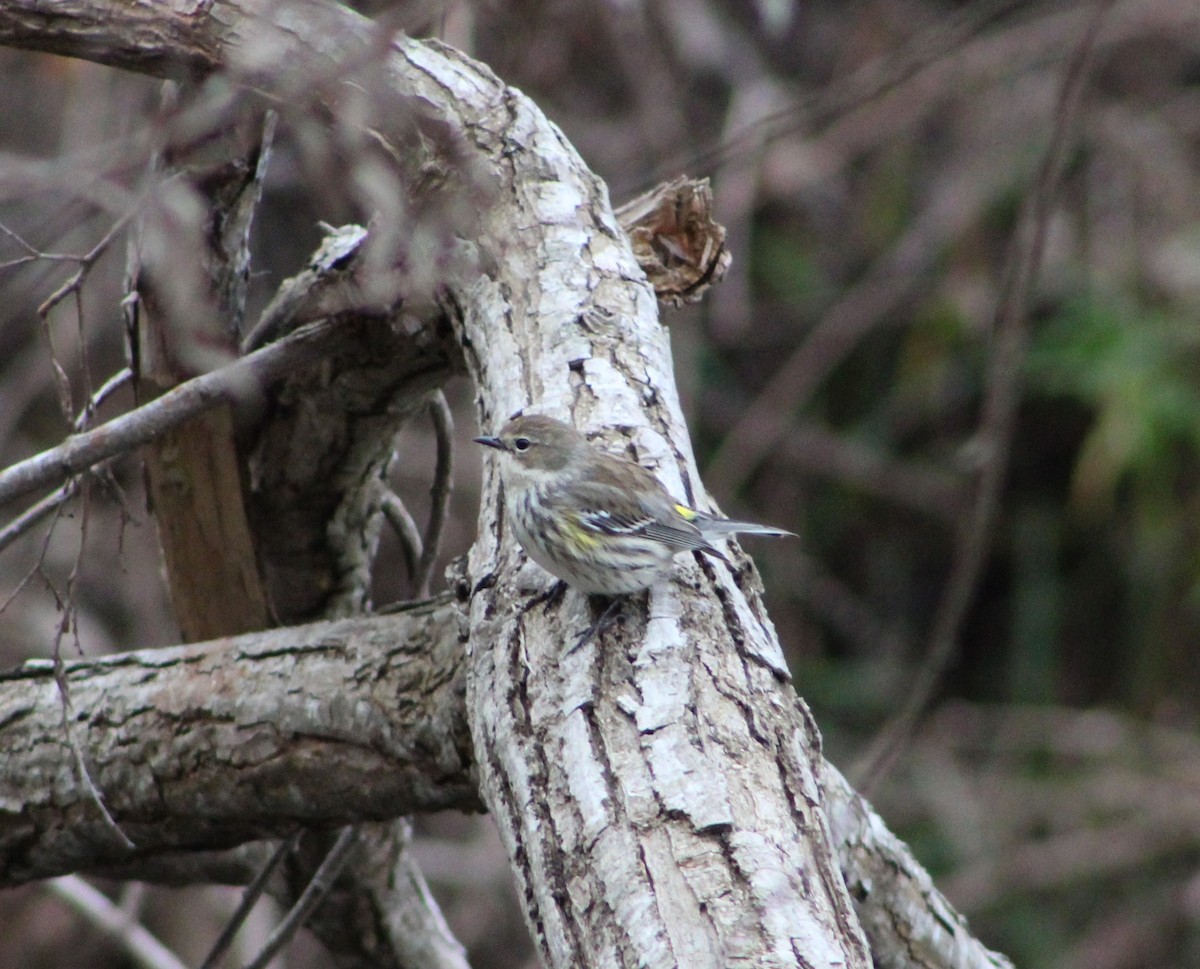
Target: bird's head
(537, 444)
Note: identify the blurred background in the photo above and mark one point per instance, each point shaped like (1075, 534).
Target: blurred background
(870, 161)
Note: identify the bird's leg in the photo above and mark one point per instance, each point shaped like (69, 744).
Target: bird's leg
(551, 596)
(596, 628)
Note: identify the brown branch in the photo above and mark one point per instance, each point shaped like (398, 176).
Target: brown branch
(439, 496)
(249, 899)
(313, 895)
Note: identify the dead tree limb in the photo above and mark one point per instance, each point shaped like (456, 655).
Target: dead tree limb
(210, 745)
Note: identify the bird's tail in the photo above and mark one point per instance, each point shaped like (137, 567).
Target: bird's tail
(718, 527)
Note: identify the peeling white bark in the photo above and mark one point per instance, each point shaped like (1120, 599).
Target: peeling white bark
(657, 791)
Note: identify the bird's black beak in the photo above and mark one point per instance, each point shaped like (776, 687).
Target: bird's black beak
(491, 442)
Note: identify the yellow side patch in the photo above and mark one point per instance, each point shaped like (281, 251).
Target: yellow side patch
(581, 537)
(686, 512)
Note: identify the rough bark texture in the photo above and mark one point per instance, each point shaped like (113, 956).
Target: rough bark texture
(213, 744)
(908, 922)
(657, 791)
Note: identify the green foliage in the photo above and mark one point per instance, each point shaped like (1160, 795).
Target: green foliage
(1137, 372)
(783, 268)
(1133, 486)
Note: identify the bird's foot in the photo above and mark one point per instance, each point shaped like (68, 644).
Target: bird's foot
(606, 619)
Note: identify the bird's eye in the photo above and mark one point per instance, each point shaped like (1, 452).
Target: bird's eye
(521, 444)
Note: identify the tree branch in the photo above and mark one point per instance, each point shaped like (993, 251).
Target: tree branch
(657, 790)
(909, 922)
(142, 947)
(211, 745)
(245, 376)
(371, 660)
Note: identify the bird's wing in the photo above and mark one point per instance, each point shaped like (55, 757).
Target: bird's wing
(600, 509)
(656, 515)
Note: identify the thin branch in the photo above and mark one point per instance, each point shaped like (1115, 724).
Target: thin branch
(70, 619)
(36, 570)
(114, 383)
(312, 896)
(405, 525)
(71, 733)
(32, 253)
(72, 286)
(98, 909)
(138, 427)
(884, 74)
(439, 495)
(86, 262)
(250, 897)
(35, 513)
(999, 413)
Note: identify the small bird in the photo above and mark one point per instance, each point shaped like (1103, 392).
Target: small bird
(603, 524)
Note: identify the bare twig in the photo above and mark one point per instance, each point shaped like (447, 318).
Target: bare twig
(107, 389)
(870, 82)
(71, 287)
(173, 408)
(35, 513)
(98, 909)
(37, 567)
(250, 897)
(309, 899)
(994, 438)
(69, 731)
(405, 525)
(439, 495)
(32, 253)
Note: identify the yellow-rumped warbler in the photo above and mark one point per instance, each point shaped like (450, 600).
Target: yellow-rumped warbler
(603, 524)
